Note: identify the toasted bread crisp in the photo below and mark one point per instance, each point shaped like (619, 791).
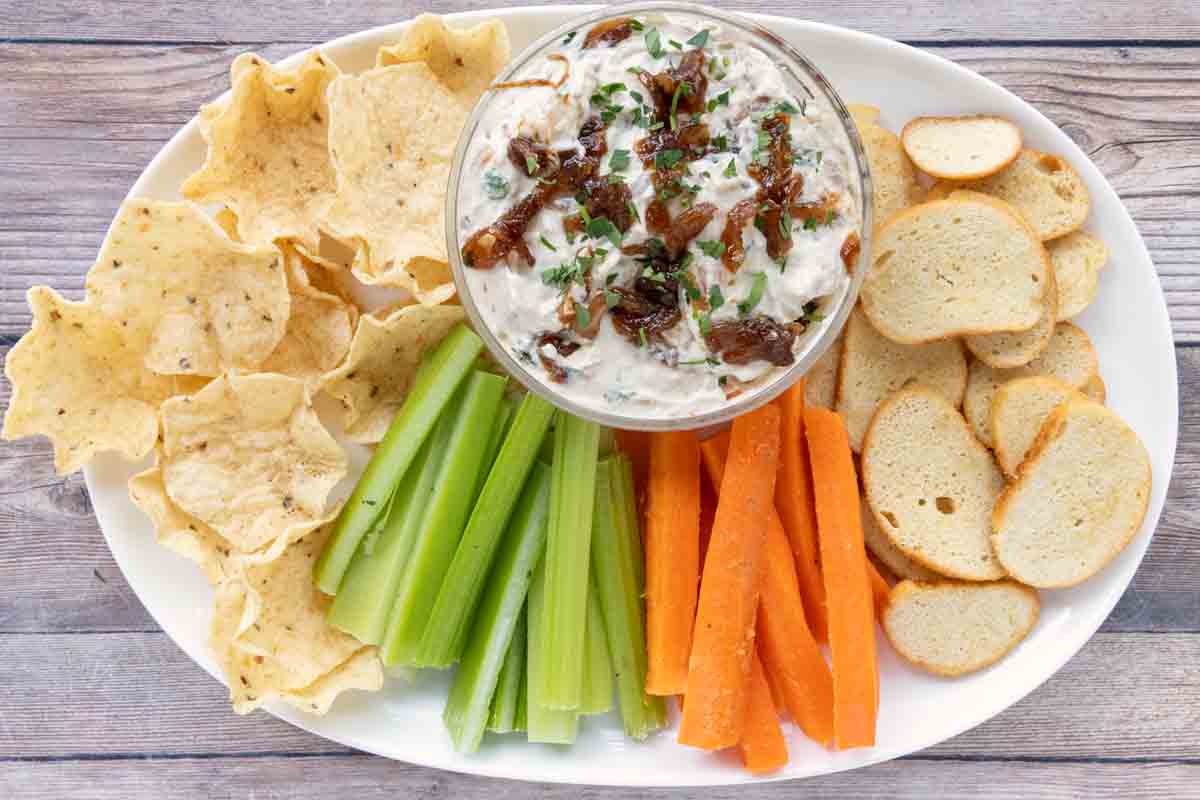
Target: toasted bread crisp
(893, 176)
(1078, 259)
(1095, 389)
(1043, 187)
(880, 546)
(873, 367)
(863, 114)
(965, 265)
(1069, 357)
(1019, 409)
(961, 148)
(931, 485)
(1080, 496)
(1017, 348)
(952, 628)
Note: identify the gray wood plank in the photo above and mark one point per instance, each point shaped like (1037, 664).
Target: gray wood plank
(276, 20)
(45, 516)
(81, 122)
(138, 694)
(273, 777)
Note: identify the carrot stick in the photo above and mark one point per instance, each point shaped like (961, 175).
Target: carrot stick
(672, 558)
(718, 680)
(636, 445)
(776, 693)
(785, 644)
(794, 499)
(762, 746)
(708, 509)
(844, 564)
(879, 589)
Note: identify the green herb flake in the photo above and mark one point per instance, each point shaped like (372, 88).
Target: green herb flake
(547, 244)
(569, 37)
(723, 98)
(756, 294)
(730, 169)
(612, 299)
(676, 44)
(665, 159)
(785, 228)
(700, 39)
(705, 323)
(633, 212)
(711, 248)
(494, 185)
(619, 160)
(654, 43)
(531, 164)
(810, 224)
(602, 228)
(642, 338)
(582, 315)
(682, 90)
(715, 298)
(786, 107)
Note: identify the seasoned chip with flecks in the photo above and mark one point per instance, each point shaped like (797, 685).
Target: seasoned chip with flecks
(268, 149)
(270, 635)
(248, 456)
(383, 359)
(79, 380)
(194, 302)
(466, 61)
(392, 135)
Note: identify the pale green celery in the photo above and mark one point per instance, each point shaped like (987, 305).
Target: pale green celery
(504, 418)
(597, 668)
(449, 623)
(435, 384)
(503, 715)
(362, 605)
(542, 723)
(568, 555)
(616, 548)
(445, 517)
(521, 723)
(468, 704)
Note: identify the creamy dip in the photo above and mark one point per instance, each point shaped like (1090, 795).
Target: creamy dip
(653, 215)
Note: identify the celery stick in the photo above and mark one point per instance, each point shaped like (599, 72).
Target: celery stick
(521, 723)
(503, 716)
(467, 707)
(362, 605)
(543, 724)
(616, 547)
(445, 633)
(568, 553)
(504, 418)
(444, 518)
(597, 669)
(447, 366)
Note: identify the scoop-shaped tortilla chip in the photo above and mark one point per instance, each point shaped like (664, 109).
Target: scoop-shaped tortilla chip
(77, 379)
(194, 302)
(270, 635)
(466, 60)
(383, 359)
(248, 456)
(391, 135)
(268, 149)
(318, 330)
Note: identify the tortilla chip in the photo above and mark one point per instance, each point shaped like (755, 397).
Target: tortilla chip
(465, 61)
(78, 380)
(190, 299)
(248, 456)
(383, 359)
(270, 635)
(392, 135)
(268, 149)
(227, 221)
(318, 330)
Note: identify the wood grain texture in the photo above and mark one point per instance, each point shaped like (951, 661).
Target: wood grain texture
(279, 20)
(83, 121)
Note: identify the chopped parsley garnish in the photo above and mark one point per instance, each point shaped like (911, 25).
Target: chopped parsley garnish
(654, 43)
(642, 338)
(761, 142)
(582, 315)
(569, 37)
(636, 24)
(611, 299)
(785, 228)
(650, 273)
(547, 244)
(718, 69)
(812, 312)
(637, 96)
(602, 228)
(633, 212)
(705, 323)
(610, 89)
(715, 298)
(723, 98)
(730, 169)
(495, 185)
(619, 160)
(711, 248)
(786, 107)
(682, 90)
(676, 44)
(700, 39)
(531, 164)
(756, 294)
(665, 159)
(564, 275)
(810, 224)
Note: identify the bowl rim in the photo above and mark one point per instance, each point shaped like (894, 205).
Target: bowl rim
(799, 68)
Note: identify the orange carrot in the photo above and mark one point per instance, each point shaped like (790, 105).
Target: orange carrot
(636, 445)
(762, 746)
(672, 558)
(718, 680)
(776, 693)
(789, 652)
(794, 499)
(708, 512)
(844, 564)
(879, 589)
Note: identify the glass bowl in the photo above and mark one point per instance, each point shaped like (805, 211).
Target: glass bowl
(816, 339)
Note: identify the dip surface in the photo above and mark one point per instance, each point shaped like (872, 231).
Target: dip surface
(652, 216)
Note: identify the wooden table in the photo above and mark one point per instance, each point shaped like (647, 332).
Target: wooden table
(95, 701)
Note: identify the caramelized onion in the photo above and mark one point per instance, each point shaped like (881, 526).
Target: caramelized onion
(757, 338)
